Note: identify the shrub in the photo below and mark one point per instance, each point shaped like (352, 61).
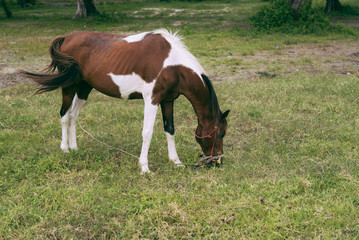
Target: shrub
(278, 16)
(273, 17)
(313, 20)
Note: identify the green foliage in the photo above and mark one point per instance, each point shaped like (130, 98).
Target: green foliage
(278, 16)
(312, 20)
(345, 10)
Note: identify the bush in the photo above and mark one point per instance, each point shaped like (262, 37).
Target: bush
(313, 20)
(274, 16)
(278, 16)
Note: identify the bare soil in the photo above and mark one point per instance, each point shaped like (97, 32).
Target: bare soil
(339, 57)
(9, 76)
(9, 69)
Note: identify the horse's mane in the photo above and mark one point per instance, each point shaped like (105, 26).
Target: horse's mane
(178, 46)
(213, 101)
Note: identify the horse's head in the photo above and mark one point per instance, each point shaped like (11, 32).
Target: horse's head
(211, 138)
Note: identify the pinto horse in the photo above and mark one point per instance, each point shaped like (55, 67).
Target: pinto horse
(154, 66)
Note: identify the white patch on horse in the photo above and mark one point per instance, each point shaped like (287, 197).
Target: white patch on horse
(68, 122)
(76, 106)
(136, 38)
(172, 153)
(65, 127)
(179, 55)
(134, 83)
(148, 123)
(128, 83)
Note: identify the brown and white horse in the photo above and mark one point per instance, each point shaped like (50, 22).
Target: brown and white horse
(155, 66)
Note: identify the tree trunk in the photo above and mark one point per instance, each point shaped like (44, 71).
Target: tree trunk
(86, 8)
(296, 4)
(332, 5)
(6, 9)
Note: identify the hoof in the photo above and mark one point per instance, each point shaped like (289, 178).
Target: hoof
(179, 164)
(145, 170)
(66, 150)
(64, 146)
(73, 148)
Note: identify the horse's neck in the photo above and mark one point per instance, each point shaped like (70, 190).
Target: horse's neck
(200, 98)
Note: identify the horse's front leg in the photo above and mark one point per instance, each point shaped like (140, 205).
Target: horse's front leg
(167, 115)
(148, 123)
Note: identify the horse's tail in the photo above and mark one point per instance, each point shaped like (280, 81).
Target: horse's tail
(68, 70)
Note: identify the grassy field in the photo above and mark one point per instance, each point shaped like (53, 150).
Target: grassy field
(291, 153)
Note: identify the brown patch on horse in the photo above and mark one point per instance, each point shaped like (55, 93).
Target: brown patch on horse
(135, 95)
(178, 79)
(99, 54)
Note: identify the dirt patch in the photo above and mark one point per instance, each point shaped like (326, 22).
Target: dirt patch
(151, 12)
(12, 79)
(338, 57)
(9, 76)
(9, 69)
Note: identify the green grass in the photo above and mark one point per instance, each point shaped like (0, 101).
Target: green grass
(292, 141)
(291, 153)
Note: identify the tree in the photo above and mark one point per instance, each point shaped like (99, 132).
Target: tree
(26, 3)
(6, 9)
(332, 5)
(296, 4)
(86, 8)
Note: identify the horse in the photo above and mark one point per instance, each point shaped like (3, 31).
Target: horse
(154, 66)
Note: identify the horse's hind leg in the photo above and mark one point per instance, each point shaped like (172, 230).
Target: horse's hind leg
(73, 99)
(67, 98)
(167, 115)
(77, 104)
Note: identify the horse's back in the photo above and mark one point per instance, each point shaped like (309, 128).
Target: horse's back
(102, 55)
(107, 53)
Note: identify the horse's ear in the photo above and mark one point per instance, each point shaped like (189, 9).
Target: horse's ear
(224, 115)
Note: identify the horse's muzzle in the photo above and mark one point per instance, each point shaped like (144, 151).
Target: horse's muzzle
(215, 160)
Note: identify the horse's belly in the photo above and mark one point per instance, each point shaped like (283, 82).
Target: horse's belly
(125, 86)
(128, 84)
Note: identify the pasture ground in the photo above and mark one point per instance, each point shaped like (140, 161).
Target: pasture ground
(291, 166)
